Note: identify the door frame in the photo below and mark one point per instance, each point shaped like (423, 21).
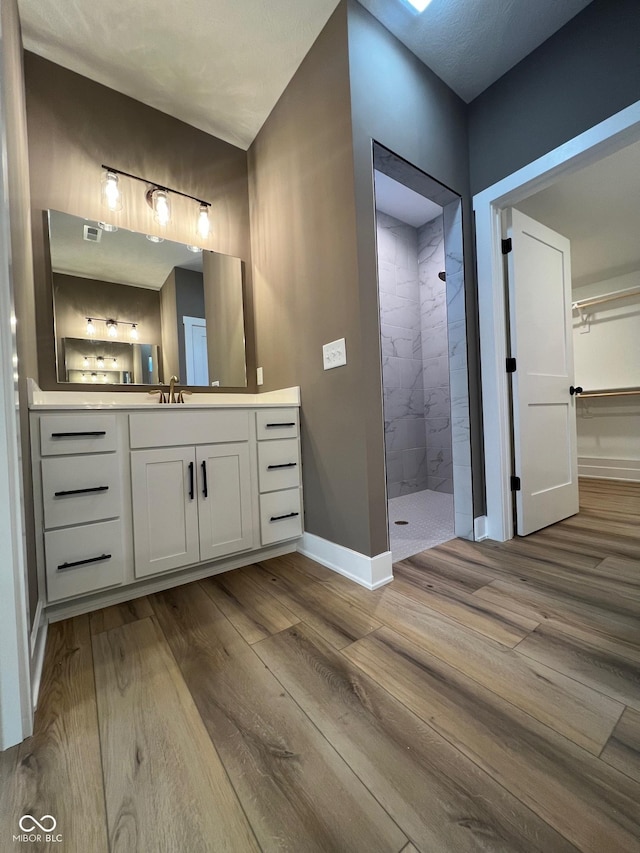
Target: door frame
(606, 138)
(189, 323)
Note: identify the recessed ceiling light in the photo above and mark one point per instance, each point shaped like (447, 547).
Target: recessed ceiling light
(153, 239)
(419, 5)
(194, 248)
(107, 227)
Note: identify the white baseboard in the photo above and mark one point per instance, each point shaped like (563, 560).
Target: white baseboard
(480, 528)
(38, 642)
(609, 469)
(370, 572)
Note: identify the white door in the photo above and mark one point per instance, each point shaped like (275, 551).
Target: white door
(165, 509)
(544, 414)
(224, 499)
(195, 346)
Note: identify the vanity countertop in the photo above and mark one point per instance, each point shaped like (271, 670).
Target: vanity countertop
(104, 399)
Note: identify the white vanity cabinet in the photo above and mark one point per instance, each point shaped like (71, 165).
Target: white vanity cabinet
(126, 499)
(79, 478)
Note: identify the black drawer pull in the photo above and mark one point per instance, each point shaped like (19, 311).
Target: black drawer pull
(284, 465)
(205, 489)
(280, 517)
(291, 423)
(77, 434)
(191, 482)
(99, 559)
(81, 491)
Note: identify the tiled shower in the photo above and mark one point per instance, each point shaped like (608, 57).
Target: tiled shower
(415, 356)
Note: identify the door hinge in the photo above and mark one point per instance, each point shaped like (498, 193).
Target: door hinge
(507, 246)
(515, 484)
(511, 365)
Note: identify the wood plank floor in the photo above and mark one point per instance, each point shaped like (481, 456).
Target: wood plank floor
(488, 699)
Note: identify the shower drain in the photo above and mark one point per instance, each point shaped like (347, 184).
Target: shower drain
(401, 522)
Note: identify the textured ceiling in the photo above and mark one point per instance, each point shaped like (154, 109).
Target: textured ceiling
(597, 209)
(471, 43)
(221, 65)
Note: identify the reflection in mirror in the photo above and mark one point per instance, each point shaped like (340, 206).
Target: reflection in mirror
(158, 308)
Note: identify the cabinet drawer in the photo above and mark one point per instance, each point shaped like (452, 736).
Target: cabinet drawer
(178, 428)
(280, 516)
(61, 435)
(278, 465)
(83, 559)
(77, 489)
(276, 423)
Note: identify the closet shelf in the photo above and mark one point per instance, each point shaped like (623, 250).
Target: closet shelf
(620, 392)
(607, 297)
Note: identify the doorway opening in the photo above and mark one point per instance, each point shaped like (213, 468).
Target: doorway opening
(587, 191)
(424, 364)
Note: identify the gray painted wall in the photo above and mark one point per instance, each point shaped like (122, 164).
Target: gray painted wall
(589, 70)
(189, 303)
(400, 103)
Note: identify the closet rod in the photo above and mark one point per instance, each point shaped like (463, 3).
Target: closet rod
(610, 297)
(628, 392)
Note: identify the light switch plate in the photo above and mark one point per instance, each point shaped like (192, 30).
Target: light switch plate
(334, 354)
(259, 375)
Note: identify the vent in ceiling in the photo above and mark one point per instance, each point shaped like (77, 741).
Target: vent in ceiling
(92, 234)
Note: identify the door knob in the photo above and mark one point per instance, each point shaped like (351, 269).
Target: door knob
(576, 390)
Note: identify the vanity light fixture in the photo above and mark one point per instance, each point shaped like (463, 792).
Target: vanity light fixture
(91, 329)
(94, 377)
(115, 363)
(133, 334)
(159, 201)
(100, 361)
(111, 193)
(85, 361)
(112, 328)
(158, 198)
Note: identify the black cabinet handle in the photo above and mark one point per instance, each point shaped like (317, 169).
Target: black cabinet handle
(99, 559)
(576, 390)
(204, 479)
(77, 434)
(81, 491)
(285, 465)
(191, 484)
(270, 426)
(280, 517)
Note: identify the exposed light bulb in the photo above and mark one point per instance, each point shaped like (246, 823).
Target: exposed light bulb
(111, 195)
(204, 226)
(85, 362)
(94, 377)
(91, 329)
(112, 328)
(134, 332)
(100, 361)
(104, 377)
(84, 377)
(115, 362)
(161, 207)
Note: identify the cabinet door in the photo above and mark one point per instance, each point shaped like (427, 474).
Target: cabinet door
(224, 499)
(165, 509)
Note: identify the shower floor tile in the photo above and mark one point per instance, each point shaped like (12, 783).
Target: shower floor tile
(430, 522)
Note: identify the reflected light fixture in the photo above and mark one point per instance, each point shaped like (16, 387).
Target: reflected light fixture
(194, 249)
(85, 361)
(115, 362)
(100, 361)
(133, 333)
(153, 239)
(91, 329)
(111, 193)
(94, 377)
(112, 328)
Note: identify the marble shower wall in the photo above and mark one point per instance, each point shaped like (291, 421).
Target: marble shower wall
(402, 372)
(435, 356)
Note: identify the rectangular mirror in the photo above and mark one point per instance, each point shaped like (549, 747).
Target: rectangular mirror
(131, 309)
